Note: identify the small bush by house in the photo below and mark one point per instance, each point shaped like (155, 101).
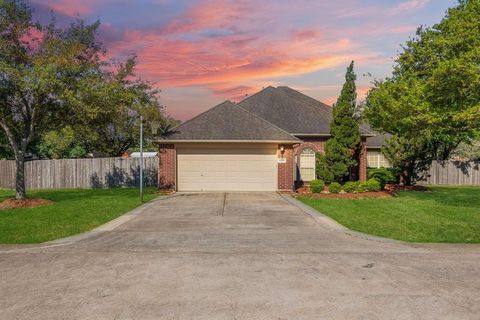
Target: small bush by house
(316, 186)
(372, 185)
(362, 186)
(335, 187)
(351, 186)
(382, 175)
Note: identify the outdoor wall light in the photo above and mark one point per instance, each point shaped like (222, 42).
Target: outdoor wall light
(282, 149)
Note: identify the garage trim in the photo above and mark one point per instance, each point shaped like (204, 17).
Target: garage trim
(227, 167)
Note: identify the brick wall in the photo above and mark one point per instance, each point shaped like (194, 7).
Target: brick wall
(167, 167)
(285, 170)
(316, 143)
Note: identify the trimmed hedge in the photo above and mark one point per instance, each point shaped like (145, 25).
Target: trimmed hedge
(362, 186)
(372, 185)
(351, 186)
(316, 186)
(335, 187)
(382, 175)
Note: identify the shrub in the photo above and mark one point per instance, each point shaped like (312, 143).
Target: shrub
(372, 185)
(351, 186)
(316, 186)
(362, 186)
(335, 187)
(382, 175)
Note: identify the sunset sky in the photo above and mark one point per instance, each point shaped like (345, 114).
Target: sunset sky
(200, 53)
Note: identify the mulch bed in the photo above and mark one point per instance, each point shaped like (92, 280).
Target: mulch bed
(24, 203)
(363, 195)
(390, 191)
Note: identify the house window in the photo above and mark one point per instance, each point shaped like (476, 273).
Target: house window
(307, 165)
(376, 159)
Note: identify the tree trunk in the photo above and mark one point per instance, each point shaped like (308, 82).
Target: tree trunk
(20, 177)
(406, 178)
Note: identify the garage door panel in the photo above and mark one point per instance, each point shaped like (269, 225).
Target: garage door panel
(227, 169)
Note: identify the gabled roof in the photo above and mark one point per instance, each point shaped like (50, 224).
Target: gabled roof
(378, 141)
(228, 122)
(293, 111)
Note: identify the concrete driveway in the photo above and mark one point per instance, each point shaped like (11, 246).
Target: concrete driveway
(236, 256)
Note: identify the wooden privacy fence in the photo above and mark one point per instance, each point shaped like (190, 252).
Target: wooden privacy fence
(119, 172)
(81, 173)
(454, 173)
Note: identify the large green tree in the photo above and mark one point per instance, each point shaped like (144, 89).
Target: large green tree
(115, 128)
(468, 150)
(61, 143)
(431, 103)
(5, 149)
(341, 149)
(52, 77)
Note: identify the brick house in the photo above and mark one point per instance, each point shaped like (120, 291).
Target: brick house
(267, 142)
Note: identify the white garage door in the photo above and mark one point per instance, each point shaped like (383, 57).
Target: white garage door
(223, 168)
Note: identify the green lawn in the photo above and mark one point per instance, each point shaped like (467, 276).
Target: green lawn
(446, 214)
(74, 211)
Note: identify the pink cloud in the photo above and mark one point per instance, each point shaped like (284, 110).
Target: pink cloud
(412, 5)
(209, 13)
(404, 29)
(70, 8)
(306, 34)
(201, 51)
(235, 93)
(231, 58)
(330, 100)
(240, 59)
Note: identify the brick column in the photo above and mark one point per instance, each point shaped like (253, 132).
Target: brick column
(285, 170)
(362, 163)
(167, 167)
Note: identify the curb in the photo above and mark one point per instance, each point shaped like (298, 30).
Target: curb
(314, 214)
(331, 224)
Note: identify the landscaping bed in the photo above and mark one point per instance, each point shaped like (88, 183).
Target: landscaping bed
(351, 189)
(363, 195)
(68, 212)
(23, 203)
(390, 190)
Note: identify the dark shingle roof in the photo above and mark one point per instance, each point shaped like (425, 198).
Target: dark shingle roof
(228, 121)
(292, 111)
(378, 141)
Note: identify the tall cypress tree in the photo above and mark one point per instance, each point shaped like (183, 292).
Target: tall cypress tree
(341, 148)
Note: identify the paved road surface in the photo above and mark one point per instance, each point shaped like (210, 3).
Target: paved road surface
(237, 256)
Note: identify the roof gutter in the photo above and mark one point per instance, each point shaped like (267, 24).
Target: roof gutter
(327, 134)
(228, 141)
(311, 134)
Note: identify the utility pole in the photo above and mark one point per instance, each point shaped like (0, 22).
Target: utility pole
(141, 159)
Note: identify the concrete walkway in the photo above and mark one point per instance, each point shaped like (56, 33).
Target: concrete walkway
(236, 256)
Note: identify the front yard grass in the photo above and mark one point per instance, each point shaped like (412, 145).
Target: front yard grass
(73, 211)
(444, 214)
